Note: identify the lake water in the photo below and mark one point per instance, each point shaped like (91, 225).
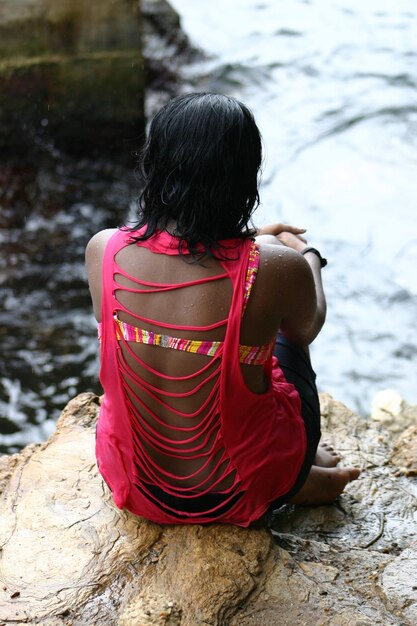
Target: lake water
(333, 88)
(332, 85)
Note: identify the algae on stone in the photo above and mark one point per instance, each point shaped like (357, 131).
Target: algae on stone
(71, 73)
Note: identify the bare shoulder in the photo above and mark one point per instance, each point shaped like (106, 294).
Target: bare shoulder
(93, 262)
(95, 247)
(282, 267)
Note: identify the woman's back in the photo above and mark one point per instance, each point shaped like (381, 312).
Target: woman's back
(172, 390)
(154, 302)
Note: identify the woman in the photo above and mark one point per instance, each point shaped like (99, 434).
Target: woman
(199, 421)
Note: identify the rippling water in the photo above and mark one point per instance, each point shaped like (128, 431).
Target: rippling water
(333, 87)
(48, 338)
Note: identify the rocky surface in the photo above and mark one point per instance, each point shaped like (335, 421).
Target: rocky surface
(166, 50)
(68, 556)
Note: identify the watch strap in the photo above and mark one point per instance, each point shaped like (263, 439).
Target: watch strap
(323, 261)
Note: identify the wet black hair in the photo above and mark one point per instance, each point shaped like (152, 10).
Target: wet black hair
(200, 166)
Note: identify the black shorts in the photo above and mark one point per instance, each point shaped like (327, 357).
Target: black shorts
(296, 367)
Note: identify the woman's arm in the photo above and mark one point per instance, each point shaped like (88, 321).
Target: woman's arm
(278, 228)
(298, 244)
(300, 296)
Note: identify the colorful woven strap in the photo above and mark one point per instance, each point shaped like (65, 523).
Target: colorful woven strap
(249, 355)
(253, 266)
(150, 338)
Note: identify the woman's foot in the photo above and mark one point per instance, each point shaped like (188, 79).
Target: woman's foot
(326, 456)
(324, 485)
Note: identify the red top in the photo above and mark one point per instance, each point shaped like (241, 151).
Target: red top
(244, 447)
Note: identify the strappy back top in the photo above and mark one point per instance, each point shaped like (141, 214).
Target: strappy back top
(214, 448)
(248, 355)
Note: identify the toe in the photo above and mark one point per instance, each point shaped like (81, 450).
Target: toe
(354, 473)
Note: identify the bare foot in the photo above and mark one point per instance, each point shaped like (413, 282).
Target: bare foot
(324, 485)
(326, 456)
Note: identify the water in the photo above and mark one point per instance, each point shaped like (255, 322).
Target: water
(332, 85)
(49, 210)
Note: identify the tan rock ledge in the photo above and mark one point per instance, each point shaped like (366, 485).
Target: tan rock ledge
(68, 556)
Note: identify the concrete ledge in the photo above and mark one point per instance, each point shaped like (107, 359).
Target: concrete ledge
(72, 75)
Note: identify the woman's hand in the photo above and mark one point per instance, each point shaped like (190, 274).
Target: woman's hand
(285, 234)
(277, 229)
(294, 241)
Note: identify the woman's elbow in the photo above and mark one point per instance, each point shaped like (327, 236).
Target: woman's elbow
(304, 336)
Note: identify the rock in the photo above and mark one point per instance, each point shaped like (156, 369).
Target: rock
(399, 583)
(167, 50)
(71, 74)
(386, 405)
(69, 556)
(404, 453)
(51, 49)
(161, 20)
(148, 610)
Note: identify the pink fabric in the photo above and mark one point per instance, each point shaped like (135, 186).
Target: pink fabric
(256, 440)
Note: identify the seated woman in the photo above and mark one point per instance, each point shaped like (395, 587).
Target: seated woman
(210, 409)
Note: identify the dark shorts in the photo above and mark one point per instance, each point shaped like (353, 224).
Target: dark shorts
(296, 367)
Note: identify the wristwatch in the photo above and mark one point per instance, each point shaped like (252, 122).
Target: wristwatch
(323, 261)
